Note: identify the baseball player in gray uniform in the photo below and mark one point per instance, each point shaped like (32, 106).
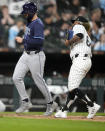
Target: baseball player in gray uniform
(32, 59)
(80, 53)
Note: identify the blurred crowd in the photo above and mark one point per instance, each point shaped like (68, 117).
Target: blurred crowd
(56, 15)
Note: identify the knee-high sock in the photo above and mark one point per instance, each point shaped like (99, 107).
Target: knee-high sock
(83, 97)
(72, 97)
(70, 101)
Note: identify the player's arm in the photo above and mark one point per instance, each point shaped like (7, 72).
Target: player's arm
(76, 38)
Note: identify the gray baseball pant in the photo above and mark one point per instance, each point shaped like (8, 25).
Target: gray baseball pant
(35, 64)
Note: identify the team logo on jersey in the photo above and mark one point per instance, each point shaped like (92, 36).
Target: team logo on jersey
(27, 31)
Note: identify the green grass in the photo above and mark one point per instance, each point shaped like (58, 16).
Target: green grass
(41, 113)
(22, 124)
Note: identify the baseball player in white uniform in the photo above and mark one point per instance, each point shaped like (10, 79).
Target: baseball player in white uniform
(80, 53)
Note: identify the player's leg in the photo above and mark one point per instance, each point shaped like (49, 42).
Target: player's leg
(70, 96)
(18, 77)
(77, 73)
(63, 111)
(75, 77)
(72, 82)
(92, 107)
(56, 102)
(36, 65)
(70, 100)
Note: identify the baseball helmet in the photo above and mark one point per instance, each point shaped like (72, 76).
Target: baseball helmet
(79, 18)
(29, 8)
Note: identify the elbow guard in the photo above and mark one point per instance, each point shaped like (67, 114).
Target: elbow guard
(80, 35)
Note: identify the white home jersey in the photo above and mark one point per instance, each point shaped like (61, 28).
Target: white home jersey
(83, 46)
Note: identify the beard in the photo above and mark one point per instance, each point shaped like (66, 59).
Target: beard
(28, 17)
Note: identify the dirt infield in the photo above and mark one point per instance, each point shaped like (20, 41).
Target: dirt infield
(83, 118)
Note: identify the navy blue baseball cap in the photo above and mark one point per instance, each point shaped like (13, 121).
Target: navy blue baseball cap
(29, 8)
(79, 18)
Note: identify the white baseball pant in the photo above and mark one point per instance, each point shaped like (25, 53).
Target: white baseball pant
(80, 67)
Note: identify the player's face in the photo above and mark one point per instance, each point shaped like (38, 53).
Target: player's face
(77, 22)
(25, 16)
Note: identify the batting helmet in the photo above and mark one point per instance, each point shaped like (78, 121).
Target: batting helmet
(29, 8)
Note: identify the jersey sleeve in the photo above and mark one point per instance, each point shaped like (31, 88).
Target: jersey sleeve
(78, 29)
(38, 31)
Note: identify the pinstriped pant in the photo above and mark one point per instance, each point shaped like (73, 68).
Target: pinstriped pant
(79, 69)
(35, 64)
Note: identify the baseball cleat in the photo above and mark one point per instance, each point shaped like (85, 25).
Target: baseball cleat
(24, 107)
(93, 110)
(49, 110)
(61, 114)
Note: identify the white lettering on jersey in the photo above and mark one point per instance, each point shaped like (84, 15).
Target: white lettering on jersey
(27, 32)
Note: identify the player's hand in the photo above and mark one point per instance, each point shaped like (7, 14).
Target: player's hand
(67, 42)
(19, 39)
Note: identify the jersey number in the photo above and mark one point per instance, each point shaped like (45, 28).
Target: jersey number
(87, 41)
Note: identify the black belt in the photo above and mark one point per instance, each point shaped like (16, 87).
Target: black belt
(29, 52)
(76, 55)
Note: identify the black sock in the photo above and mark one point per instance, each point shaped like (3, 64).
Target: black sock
(83, 97)
(71, 96)
(50, 102)
(57, 100)
(26, 100)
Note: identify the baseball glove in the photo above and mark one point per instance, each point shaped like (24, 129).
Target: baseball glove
(68, 34)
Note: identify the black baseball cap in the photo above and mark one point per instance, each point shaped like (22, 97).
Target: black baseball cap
(79, 18)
